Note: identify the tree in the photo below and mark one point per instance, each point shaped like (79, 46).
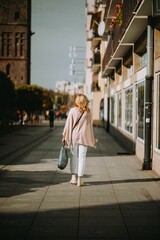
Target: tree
(33, 99)
(7, 98)
(48, 99)
(29, 99)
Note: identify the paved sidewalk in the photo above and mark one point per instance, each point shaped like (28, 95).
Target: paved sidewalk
(119, 200)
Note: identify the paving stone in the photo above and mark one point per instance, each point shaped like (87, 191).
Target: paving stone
(119, 201)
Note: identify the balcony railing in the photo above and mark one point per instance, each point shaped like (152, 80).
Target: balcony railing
(107, 6)
(110, 7)
(128, 9)
(108, 54)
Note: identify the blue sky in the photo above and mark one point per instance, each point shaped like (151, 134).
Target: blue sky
(57, 24)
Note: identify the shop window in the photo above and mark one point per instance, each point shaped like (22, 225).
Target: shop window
(6, 44)
(112, 109)
(158, 111)
(140, 110)
(128, 109)
(119, 109)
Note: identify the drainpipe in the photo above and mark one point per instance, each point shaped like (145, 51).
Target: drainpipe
(148, 96)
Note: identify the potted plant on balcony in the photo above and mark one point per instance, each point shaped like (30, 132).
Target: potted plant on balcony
(117, 18)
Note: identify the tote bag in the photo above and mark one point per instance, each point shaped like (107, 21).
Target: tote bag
(63, 157)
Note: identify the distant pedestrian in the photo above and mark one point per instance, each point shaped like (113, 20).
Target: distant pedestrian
(78, 135)
(51, 118)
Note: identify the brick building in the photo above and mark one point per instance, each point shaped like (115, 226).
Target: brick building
(15, 34)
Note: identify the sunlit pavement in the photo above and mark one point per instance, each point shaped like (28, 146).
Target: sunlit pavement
(119, 200)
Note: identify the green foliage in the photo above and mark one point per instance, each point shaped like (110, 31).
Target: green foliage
(28, 98)
(48, 99)
(31, 98)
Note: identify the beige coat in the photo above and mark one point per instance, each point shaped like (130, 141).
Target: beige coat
(83, 132)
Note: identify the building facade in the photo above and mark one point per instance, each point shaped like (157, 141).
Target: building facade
(94, 86)
(130, 73)
(15, 35)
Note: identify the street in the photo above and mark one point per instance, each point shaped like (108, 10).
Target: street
(25, 138)
(119, 200)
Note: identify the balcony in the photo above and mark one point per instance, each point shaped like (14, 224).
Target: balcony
(90, 6)
(96, 62)
(96, 41)
(134, 17)
(96, 17)
(110, 10)
(108, 55)
(129, 9)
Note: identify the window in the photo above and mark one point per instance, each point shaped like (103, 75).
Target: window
(8, 67)
(6, 44)
(128, 109)
(130, 71)
(140, 110)
(156, 7)
(158, 112)
(144, 60)
(19, 45)
(17, 16)
(119, 109)
(112, 109)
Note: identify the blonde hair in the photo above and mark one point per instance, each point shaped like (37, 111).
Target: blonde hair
(81, 102)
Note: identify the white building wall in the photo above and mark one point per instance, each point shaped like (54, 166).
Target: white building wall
(134, 78)
(88, 73)
(156, 151)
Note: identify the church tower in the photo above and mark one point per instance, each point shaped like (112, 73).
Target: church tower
(15, 40)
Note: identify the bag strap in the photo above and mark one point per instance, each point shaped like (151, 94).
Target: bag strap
(77, 121)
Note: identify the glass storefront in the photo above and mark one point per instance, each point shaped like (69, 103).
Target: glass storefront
(140, 110)
(128, 109)
(112, 109)
(119, 109)
(158, 112)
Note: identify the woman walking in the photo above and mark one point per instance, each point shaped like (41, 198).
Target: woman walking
(78, 135)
